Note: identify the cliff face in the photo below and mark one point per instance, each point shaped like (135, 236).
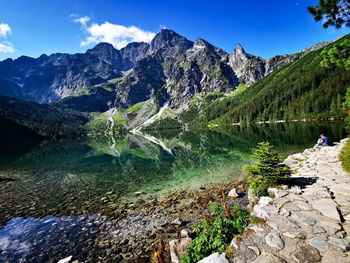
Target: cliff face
(250, 68)
(200, 70)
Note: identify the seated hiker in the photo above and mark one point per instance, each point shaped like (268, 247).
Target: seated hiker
(322, 141)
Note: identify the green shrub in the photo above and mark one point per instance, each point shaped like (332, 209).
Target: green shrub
(266, 172)
(345, 157)
(216, 233)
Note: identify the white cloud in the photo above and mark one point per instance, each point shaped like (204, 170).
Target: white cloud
(4, 30)
(118, 35)
(82, 20)
(6, 47)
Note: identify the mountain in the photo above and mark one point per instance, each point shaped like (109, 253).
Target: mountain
(299, 90)
(132, 53)
(108, 54)
(250, 68)
(171, 75)
(200, 70)
(50, 78)
(57, 76)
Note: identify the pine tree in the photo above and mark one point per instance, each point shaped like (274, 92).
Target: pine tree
(267, 171)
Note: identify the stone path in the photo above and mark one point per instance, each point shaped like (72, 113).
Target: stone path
(306, 223)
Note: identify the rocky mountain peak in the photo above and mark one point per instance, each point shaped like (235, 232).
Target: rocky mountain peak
(133, 52)
(201, 43)
(167, 38)
(239, 49)
(102, 46)
(107, 53)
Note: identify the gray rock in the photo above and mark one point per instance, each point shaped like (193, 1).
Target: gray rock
(255, 228)
(327, 207)
(255, 249)
(233, 193)
(340, 243)
(341, 234)
(234, 243)
(252, 198)
(274, 241)
(318, 230)
(306, 220)
(259, 211)
(65, 260)
(178, 248)
(215, 258)
(264, 200)
(268, 258)
(306, 254)
(318, 243)
(342, 201)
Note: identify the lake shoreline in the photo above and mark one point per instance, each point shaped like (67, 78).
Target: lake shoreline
(309, 221)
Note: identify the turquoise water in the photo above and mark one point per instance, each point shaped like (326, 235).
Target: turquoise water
(70, 179)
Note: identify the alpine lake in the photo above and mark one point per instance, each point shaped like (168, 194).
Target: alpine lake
(107, 199)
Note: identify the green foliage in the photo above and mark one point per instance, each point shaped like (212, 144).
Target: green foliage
(337, 55)
(81, 91)
(101, 125)
(116, 80)
(215, 73)
(134, 108)
(213, 96)
(346, 103)
(216, 233)
(332, 12)
(266, 172)
(345, 157)
(184, 64)
(241, 88)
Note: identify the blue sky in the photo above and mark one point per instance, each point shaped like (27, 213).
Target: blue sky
(263, 28)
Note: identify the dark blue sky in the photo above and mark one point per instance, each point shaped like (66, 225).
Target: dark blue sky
(264, 28)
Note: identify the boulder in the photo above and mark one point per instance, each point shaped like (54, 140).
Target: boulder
(233, 193)
(178, 248)
(215, 258)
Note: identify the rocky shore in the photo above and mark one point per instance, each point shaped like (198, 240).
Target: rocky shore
(307, 221)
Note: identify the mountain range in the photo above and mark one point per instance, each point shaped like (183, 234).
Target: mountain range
(171, 73)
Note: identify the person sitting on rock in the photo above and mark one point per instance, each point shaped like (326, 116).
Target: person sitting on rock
(322, 141)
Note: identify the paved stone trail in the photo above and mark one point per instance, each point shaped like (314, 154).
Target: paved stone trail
(304, 224)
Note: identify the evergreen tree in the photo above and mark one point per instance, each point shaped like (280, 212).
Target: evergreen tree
(267, 171)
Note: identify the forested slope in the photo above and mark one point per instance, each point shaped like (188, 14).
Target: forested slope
(43, 119)
(299, 90)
